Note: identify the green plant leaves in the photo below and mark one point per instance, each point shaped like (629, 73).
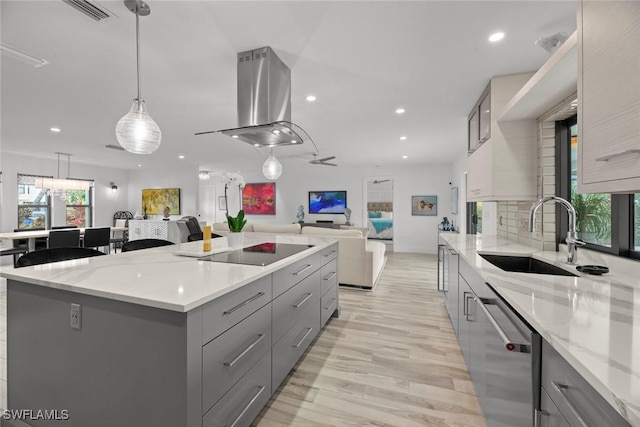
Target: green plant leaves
(236, 224)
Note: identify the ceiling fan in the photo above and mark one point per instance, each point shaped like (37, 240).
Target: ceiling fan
(322, 161)
(380, 181)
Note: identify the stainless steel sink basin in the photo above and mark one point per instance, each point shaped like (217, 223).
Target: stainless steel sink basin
(525, 264)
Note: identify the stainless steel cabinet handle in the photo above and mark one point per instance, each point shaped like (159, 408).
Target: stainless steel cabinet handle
(303, 338)
(244, 352)
(330, 304)
(246, 408)
(305, 268)
(464, 303)
(614, 155)
(508, 344)
(305, 299)
(243, 303)
(330, 276)
(563, 389)
(467, 298)
(537, 417)
(329, 254)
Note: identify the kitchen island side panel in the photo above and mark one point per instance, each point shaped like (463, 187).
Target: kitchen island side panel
(130, 357)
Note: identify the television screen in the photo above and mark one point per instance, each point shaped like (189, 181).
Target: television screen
(327, 202)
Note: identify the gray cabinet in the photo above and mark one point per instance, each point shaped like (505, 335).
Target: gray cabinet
(451, 292)
(576, 400)
(549, 414)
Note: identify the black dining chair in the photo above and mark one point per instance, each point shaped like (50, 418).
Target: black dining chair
(135, 245)
(118, 238)
(97, 238)
(64, 239)
(41, 242)
(46, 256)
(17, 252)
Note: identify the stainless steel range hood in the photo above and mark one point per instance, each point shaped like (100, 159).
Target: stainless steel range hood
(264, 101)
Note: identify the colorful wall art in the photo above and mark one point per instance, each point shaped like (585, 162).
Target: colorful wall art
(259, 199)
(424, 205)
(156, 199)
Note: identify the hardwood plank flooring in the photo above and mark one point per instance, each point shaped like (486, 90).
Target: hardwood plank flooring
(391, 359)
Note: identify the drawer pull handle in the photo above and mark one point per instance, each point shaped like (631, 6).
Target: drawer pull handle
(330, 276)
(614, 155)
(330, 304)
(329, 254)
(305, 299)
(303, 338)
(508, 344)
(243, 303)
(563, 389)
(305, 268)
(246, 408)
(244, 352)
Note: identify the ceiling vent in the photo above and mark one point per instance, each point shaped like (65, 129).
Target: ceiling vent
(92, 9)
(114, 147)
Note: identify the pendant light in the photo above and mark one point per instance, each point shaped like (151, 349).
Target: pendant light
(272, 169)
(59, 186)
(136, 131)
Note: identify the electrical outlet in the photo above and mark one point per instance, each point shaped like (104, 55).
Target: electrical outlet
(75, 316)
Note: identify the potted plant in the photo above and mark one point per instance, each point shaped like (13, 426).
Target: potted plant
(236, 224)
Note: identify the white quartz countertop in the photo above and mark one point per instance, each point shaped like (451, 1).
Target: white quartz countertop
(592, 321)
(158, 277)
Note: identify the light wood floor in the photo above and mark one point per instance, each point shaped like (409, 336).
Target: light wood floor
(391, 359)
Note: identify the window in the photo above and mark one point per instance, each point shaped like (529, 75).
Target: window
(79, 205)
(606, 222)
(34, 209)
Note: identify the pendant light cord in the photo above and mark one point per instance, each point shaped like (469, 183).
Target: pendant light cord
(138, 50)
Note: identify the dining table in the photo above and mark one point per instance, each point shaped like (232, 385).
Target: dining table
(31, 236)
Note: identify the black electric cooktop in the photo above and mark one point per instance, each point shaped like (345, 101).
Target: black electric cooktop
(262, 254)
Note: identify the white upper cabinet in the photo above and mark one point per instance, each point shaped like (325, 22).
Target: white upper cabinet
(609, 96)
(503, 167)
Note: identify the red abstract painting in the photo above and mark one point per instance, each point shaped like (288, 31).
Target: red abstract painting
(259, 199)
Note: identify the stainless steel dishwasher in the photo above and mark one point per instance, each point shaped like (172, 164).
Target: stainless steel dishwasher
(508, 367)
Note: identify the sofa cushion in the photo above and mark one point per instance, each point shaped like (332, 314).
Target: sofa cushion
(331, 232)
(277, 228)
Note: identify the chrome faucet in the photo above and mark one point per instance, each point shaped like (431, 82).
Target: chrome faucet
(572, 237)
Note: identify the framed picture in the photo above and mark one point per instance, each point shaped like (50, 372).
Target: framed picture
(454, 200)
(259, 199)
(222, 203)
(154, 200)
(424, 205)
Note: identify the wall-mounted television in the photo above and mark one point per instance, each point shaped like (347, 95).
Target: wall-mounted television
(327, 202)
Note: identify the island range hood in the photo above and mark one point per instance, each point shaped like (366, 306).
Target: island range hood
(264, 101)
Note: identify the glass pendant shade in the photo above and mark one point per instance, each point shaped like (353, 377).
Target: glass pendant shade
(272, 169)
(137, 132)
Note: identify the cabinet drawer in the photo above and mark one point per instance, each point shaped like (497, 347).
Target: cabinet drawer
(579, 403)
(227, 358)
(329, 275)
(328, 254)
(242, 404)
(291, 306)
(224, 312)
(328, 304)
(288, 276)
(550, 416)
(292, 345)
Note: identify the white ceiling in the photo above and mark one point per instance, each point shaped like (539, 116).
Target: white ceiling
(362, 59)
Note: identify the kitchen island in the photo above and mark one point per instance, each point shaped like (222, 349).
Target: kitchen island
(153, 338)
(592, 322)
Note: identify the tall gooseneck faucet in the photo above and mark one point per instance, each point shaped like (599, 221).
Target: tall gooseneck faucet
(572, 237)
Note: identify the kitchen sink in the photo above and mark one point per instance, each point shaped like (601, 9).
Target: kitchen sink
(525, 264)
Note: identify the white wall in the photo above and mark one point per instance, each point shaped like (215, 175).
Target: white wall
(411, 233)
(106, 201)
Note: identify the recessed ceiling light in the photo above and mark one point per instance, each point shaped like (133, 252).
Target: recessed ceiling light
(400, 111)
(293, 141)
(405, 157)
(54, 129)
(310, 98)
(234, 136)
(181, 156)
(403, 138)
(496, 37)
(139, 165)
(256, 145)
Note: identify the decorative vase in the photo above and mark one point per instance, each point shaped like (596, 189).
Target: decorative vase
(236, 240)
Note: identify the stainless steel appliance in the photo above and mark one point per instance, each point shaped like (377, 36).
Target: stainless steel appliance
(506, 355)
